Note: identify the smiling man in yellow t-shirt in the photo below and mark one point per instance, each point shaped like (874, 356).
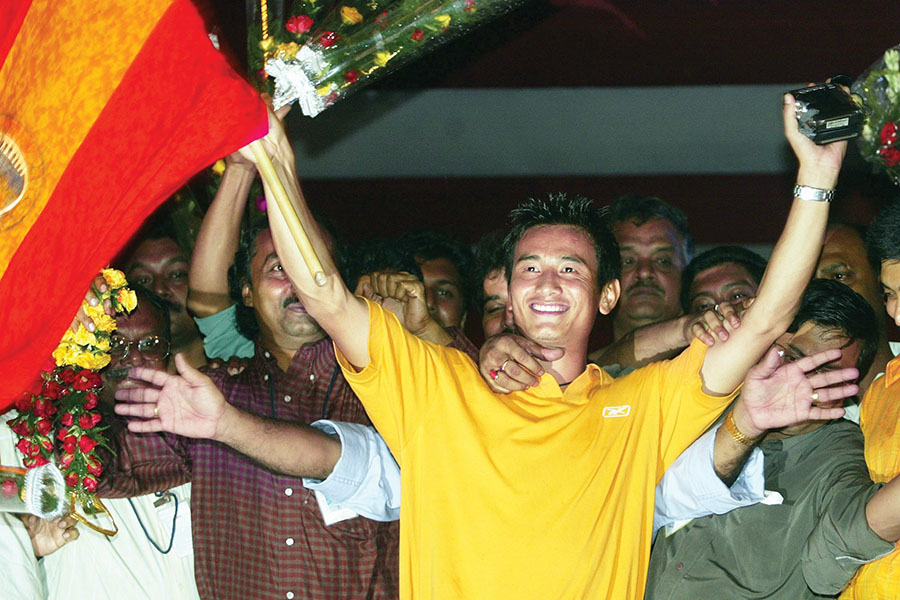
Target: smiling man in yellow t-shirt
(548, 493)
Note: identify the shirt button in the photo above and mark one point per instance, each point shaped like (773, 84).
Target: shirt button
(266, 377)
(312, 377)
(288, 492)
(289, 595)
(289, 541)
(287, 398)
(267, 355)
(679, 566)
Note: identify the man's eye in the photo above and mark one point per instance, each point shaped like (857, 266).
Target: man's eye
(568, 269)
(178, 276)
(277, 268)
(738, 296)
(664, 262)
(143, 280)
(703, 306)
(627, 262)
(445, 293)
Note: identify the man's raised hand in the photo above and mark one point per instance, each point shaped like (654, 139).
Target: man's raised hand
(188, 404)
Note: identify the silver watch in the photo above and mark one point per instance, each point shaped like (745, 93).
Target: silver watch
(804, 192)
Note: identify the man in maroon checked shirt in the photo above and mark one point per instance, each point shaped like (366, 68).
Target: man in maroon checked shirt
(258, 534)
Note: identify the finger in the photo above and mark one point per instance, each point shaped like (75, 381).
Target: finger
(517, 376)
(510, 384)
(814, 361)
(699, 332)
(155, 377)
(282, 112)
(190, 374)
(729, 314)
(137, 394)
(139, 410)
(153, 426)
(541, 352)
(833, 394)
(825, 414)
(713, 322)
(81, 317)
(829, 378)
(769, 364)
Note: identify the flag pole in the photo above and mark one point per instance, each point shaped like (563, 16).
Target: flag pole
(283, 203)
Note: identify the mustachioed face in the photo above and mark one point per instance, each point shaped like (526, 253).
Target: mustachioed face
(161, 266)
(652, 262)
(283, 321)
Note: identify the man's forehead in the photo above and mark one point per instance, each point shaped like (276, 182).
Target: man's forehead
(657, 231)
(156, 250)
(142, 322)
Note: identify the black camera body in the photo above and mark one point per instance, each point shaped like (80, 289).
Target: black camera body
(825, 114)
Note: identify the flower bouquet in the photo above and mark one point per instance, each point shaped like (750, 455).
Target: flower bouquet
(39, 491)
(354, 44)
(878, 89)
(61, 423)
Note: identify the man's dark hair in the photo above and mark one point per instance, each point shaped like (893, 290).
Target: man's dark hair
(239, 275)
(640, 209)
(753, 262)
(883, 237)
(575, 211)
(425, 245)
(835, 307)
(490, 255)
(376, 254)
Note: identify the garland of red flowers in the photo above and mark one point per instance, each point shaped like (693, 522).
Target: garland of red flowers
(878, 91)
(61, 423)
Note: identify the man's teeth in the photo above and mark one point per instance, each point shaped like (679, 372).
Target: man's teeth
(549, 307)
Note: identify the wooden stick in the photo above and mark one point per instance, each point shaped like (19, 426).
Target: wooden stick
(283, 203)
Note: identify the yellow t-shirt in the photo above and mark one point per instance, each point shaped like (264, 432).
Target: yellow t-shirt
(879, 417)
(537, 494)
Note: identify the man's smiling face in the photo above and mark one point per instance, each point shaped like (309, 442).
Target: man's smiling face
(554, 293)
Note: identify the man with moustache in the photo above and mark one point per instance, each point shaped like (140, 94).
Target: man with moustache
(287, 550)
(655, 246)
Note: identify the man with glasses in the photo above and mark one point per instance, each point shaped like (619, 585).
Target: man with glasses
(151, 556)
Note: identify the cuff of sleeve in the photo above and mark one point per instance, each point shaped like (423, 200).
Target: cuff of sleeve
(350, 469)
(750, 486)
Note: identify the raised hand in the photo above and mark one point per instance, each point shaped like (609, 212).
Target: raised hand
(819, 165)
(509, 362)
(188, 404)
(779, 395)
(714, 323)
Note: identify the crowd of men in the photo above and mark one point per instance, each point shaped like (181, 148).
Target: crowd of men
(278, 438)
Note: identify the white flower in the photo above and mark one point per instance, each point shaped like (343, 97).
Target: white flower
(892, 59)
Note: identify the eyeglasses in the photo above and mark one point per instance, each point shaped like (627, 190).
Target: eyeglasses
(152, 347)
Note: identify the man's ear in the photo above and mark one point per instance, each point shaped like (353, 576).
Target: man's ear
(609, 296)
(462, 322)
(247, 294)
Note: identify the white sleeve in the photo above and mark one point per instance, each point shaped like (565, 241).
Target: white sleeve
(366, 479)
(690, 488)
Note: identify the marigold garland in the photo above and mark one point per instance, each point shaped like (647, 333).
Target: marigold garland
(61, 423)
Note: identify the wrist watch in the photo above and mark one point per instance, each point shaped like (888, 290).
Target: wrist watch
(804, 192)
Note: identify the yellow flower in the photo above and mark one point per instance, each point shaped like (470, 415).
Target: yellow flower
(83, 337)
(444, 20)
(102, 343)
(287, 51)
(350, 15)
(105, 323)
(94, 312)
(219, 167)
(382, 58)
(324, 90)
(266, 44)
(95, 361)
(59, 355)
(114, 278)
(127, 299)
(68, 336)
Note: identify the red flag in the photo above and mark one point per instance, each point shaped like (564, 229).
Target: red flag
(106, 108)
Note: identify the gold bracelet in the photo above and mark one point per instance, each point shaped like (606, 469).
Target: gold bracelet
(732, 428)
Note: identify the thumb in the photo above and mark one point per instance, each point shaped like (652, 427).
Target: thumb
(543, 352)
(769, 363)
(190, 374)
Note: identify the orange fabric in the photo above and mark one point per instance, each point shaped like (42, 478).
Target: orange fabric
(55, 90)
(880, 421)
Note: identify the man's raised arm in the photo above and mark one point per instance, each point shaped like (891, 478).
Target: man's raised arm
(342, 315)
(790, 268)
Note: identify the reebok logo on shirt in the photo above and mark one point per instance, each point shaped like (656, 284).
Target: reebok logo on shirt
(617, 411)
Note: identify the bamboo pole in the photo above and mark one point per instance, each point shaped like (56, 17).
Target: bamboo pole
(283, 203)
